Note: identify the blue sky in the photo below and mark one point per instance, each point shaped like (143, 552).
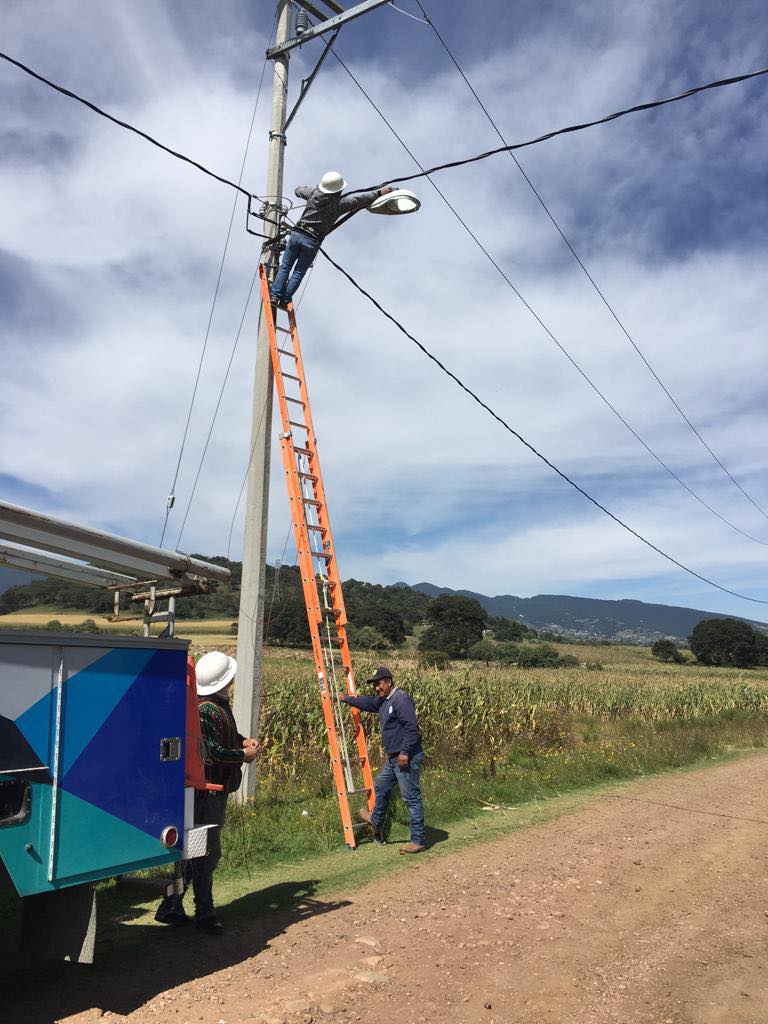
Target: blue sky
(109, 252)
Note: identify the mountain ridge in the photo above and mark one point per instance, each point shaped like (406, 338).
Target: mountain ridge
(591, 618)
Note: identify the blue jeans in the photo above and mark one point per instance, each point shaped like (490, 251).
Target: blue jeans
(408, 781)
(299, 254)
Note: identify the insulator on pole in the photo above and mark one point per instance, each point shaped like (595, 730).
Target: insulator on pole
(302, 22)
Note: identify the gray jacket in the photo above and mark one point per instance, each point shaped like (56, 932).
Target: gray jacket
(323, 209)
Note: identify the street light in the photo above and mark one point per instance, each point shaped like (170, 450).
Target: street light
(395, 203)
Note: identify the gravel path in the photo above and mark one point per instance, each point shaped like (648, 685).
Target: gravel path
(640, 908)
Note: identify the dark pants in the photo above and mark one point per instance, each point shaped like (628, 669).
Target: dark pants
(298, 256)
(410, 790)
(210, 809)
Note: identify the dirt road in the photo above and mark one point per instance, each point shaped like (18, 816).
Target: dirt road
(649, 906)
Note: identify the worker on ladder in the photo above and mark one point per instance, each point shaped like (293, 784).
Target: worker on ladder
(324, 205)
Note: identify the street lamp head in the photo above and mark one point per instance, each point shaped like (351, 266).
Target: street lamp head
(400, 201)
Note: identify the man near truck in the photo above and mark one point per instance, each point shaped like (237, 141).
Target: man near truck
(226, 751)
(401, 737)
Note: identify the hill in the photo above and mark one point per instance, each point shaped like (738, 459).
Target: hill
(585, 618)
(392, 611)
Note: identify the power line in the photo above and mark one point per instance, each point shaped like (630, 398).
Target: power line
(580, 262)
(721, 83)
(604, 398)
(126, 125)
(218, 406)
(528, 445)
(172, 492)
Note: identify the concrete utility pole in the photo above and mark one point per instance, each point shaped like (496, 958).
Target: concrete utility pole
(250, 625)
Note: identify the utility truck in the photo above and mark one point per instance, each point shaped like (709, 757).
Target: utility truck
(99, 734)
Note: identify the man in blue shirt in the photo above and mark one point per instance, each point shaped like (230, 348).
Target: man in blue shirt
(402, 741)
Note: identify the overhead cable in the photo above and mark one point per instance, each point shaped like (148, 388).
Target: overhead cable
(476, 398)
(577, 366)
(218, 405)
(580, 262)
(126, 125)
(721, 83)
(172, 492)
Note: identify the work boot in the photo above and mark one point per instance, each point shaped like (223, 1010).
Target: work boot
(365, 815)
(210, 923)
(171, 911)
(412, 848)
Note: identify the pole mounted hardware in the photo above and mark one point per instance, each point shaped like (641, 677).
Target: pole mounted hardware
(341, 18)
(307, 82)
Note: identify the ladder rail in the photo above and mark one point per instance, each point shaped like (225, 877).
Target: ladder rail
(321, 583)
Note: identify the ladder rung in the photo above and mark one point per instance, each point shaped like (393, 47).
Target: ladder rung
(290, 376)
(321, 554)
(317, 529)
(283, 330)
(303, 451)
(295, 424)
(285, 352)
(313, 501)
(296, 401)
(351, 792)
(308, 476)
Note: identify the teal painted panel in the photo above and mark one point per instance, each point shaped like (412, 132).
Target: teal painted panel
(91, 841)
(91, 845)
(29, 868)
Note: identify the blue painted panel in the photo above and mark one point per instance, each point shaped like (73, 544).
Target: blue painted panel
(36, 725)
(120, 770)
(89, 696)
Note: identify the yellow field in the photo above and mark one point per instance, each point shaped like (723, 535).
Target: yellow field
(204, 631)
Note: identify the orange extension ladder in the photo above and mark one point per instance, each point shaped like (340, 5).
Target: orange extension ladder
(317, 562)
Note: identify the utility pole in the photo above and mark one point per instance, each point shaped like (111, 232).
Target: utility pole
(250, 625)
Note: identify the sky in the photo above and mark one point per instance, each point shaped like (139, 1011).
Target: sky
(110, 251)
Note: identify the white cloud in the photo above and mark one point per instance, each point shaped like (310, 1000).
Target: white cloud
(122, 243)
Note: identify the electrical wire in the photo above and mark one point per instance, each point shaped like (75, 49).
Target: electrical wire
(580, 262)
(172, 493)
(483, 405)
(218, 406)
(577, 366)
(126, 125)
(651, 105)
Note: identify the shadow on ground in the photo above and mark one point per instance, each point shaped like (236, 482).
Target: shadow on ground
(136, 962)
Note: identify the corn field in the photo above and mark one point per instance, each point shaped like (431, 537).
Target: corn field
(471, 708)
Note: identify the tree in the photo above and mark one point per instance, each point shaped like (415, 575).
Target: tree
(728, 642)
(538, 656)
(484, 650)
(509, 629)
(665, 650)
(456, 623)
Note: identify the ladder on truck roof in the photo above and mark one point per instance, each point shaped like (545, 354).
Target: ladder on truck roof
(149, 575)
(317, 563)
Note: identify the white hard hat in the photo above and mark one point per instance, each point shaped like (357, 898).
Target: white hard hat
(331, 182)
(213, 672)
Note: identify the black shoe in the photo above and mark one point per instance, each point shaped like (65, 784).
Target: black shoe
(210, 923)
(171, 911)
